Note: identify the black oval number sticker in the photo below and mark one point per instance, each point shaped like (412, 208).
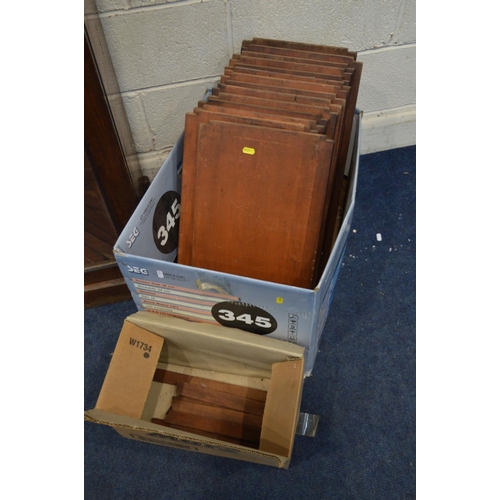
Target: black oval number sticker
(166, 222)
(245, 317)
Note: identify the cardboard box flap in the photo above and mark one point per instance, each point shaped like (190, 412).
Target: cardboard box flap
(156, 434)
(216, 348)
(279, 423)
(130, 373)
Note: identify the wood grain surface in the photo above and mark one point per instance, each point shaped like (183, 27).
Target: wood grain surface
(273, 214)
(265, 208)
(174, 378)
(220, 398)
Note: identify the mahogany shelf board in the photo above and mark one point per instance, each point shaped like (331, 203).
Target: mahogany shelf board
(323, 57)
(192, 122)
(259, 215)
(302, 76)
(339, 91)
(257, 119)
(195, 407)
(228, 104)
(269, 94)
(260, 112)
(281, 83)
(334, 61)
(307, 47)
(335, 205)
(323, 112)
(292, 65)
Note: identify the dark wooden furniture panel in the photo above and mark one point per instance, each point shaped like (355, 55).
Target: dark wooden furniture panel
(110, 198)
(249, 198)
(274, 213)
(100, 233)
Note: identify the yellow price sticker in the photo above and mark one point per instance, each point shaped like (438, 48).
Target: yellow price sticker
(249, 151)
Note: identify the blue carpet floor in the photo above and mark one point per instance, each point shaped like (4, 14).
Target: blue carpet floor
(362, 387)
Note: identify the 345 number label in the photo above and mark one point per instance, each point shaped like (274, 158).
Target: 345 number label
(245, 317)
(166, 222)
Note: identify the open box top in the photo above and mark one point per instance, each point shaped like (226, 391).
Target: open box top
(148, 339)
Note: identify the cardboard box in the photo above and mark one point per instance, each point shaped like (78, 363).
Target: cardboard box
(129, 398)
(146, 252)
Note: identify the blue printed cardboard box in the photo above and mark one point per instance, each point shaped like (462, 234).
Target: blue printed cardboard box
(146, 253)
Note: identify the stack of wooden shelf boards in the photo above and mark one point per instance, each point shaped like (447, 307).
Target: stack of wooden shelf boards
(263, 182)
(215, 409)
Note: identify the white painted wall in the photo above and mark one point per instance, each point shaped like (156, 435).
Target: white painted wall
(166, 53)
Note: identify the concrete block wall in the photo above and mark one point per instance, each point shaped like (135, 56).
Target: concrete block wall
(166, 53)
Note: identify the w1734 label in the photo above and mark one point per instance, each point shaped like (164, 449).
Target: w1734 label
(245, 317)
(141, 345)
